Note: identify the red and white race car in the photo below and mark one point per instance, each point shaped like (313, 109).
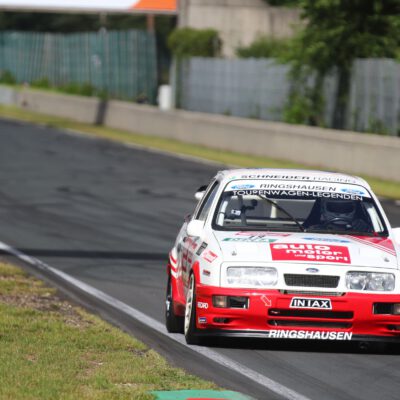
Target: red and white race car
(286, 254)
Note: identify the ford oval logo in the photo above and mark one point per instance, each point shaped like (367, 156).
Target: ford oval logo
(312, 270)
(243, 187)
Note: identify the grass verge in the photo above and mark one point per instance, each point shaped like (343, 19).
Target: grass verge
(52, 350)
(381, 187)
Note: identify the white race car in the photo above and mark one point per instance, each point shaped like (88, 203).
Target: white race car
(285, 254)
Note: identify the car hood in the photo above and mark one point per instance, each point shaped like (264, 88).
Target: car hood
(374, 252)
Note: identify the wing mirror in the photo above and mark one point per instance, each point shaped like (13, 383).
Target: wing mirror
(200, 192)
(195, 228)
(396, 234)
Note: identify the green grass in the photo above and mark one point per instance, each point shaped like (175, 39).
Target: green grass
(52, 350)
(381, 187)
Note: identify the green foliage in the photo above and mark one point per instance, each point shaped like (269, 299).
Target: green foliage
(265, 47)
(338, 31)
(298, 110)
(85, 89)
(7, 77)
(189, 42)
(377, 126)
(42, 83)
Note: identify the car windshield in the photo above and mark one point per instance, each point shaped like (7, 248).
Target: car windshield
(298, 206)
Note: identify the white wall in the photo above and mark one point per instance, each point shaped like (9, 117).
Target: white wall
(238, 21)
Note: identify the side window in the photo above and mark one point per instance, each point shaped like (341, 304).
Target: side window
(206, 204)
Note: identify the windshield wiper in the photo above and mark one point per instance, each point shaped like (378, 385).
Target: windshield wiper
(280, 208)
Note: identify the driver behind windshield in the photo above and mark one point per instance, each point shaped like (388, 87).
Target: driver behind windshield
(341, 215)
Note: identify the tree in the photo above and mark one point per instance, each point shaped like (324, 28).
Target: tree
(190, 42)
(338, 31)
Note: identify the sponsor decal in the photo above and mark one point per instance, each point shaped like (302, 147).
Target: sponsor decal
(298, 186)
(302, 302)
(266, 300)
(315, 178)
(256, 233)
(237, 213)
(250, 239)
(297, 193)
(243, 186)
(206, 272)
(310, 252)
(209, 256)
(202, 320)
(255, 237)
(202, 247)
(191, 243)
(353, 191)
(331, 240)
(201, 305)
(312, 335)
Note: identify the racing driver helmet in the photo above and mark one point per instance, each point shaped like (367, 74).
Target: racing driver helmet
(340, 210)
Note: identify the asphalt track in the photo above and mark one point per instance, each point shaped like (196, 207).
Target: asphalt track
(107, 214)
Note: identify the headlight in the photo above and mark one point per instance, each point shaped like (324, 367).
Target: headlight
(374, 281)
(252, 276)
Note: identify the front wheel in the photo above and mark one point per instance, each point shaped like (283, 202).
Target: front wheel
(173, 323)
(190, 329)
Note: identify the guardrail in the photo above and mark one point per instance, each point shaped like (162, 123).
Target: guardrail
(355, 153)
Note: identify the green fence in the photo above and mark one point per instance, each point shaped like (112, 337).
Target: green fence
(121, 63)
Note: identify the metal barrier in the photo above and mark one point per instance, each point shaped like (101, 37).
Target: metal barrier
(259, 88)
(120, 63)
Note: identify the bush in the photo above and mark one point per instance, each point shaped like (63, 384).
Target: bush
(265, 47)
(189, 42)
(85, 89)
(42, 83)
(7, 77)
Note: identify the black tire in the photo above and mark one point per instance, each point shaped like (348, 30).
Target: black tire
(189, 329)
(173, 323)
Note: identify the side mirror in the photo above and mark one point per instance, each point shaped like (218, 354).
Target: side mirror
(195, 228)
(396, 234)
(200, 192)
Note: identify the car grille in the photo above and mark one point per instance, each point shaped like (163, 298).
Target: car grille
(312, 293)
(276, 312)
(321, 281)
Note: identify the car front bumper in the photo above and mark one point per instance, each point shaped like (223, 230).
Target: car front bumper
(351, 316)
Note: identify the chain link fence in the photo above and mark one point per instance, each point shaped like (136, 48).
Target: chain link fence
(120, 63)
(259, 88)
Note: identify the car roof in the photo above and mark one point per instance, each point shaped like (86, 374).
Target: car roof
(300, 175)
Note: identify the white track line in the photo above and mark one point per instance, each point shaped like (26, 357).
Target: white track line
(150, 322)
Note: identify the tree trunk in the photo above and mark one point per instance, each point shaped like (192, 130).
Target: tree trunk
(317, 101)
(342, 97)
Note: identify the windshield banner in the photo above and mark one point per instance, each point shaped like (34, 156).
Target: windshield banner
(297, 189)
